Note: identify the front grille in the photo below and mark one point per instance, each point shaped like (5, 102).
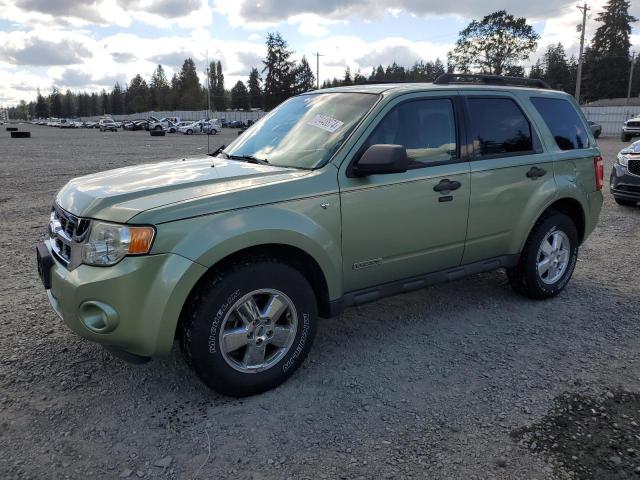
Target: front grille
(629, 188)
(66, 232)
(634, 167)
(633, 124)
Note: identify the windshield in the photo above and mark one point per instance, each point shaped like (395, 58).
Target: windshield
(304, 131)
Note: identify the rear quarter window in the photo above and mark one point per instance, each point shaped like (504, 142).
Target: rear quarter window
(566, 125)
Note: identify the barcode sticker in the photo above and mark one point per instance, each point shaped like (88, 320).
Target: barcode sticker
(326, 122)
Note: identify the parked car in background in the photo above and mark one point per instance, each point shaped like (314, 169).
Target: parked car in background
(625, 176)
(201, 126)
(107, 125)
(238, 262)
(630, 129)
(236, 124)
(596, 128)
(166, 124)
(182, 124)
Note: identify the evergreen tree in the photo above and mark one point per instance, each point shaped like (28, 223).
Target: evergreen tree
(82, 104)
(42, 107)
(138, 95)
(174, 97)
(240, 97)
(537, 70)
(190, 97)
(556, 66)
(55, 102)
(304, 80)
(94, 104)
(255, 92)
(347, 80)
(159, 90)
(105, 104)
(278, 66)
(68, 105)
(117, 100)
(219, 92)
(607, 61)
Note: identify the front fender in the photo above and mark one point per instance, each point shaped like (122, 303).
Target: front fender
(303, 224)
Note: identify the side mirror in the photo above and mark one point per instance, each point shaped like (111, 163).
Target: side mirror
(381, 159)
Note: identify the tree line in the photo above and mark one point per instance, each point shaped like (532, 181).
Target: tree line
(497, 44)
(283, 77)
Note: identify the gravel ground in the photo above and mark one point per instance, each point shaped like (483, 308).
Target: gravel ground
(453, 381)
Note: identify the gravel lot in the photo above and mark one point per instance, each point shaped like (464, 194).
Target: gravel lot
(454, 381)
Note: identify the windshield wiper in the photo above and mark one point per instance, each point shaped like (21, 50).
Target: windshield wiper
(248, 158)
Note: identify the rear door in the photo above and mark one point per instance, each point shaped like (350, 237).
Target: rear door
(511, 176)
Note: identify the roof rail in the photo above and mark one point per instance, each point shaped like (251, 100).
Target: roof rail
(448, 78)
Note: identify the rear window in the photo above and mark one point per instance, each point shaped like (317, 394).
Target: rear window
(499, 127)
(567, 127)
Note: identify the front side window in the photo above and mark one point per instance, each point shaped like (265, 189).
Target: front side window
(305, 131)
(426, 128)
(499, 127)
(566, 126)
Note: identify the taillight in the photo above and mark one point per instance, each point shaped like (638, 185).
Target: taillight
(598, 169)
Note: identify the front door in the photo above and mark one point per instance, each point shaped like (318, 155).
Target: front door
(398, 225)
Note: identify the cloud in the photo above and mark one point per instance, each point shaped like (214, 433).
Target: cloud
(124, 57)
(173, 59)
(38, 51)
(248, 60)
(159, 13)
(73, 78)
(277, 10)
(173, 8)
(82, 9)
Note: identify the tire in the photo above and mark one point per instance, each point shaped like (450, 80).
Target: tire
(624, 202)
(210, 310)
(189, 132)
(625, 138)
(157, 127)
(525, 277)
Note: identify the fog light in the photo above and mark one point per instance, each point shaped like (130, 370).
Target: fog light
(98, 317)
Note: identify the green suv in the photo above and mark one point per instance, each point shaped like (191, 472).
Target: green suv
(335, 198)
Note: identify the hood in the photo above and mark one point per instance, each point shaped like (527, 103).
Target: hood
(118, 195)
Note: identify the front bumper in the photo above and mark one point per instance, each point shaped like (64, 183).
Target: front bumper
(139, 299)
(635, 131)
(623, 184)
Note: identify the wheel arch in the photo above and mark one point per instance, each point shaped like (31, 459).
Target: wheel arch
(569, 206)
(285, 253)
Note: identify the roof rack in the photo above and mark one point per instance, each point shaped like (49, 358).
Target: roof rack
(448, 78)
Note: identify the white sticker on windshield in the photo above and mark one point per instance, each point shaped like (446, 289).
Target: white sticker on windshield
(326, 122)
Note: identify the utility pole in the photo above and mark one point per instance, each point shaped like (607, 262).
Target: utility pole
(584, 9)
(633, 62)
(318, 69)
(208, 101)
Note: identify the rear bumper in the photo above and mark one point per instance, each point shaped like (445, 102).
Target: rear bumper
(623, 184)
(138, 301)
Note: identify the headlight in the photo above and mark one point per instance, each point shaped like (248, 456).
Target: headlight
(109, 243)
(623, 159)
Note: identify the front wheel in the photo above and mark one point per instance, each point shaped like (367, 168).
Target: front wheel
(548, 258)
(624, 137)
(248, 328)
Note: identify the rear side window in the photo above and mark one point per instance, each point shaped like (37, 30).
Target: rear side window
(564, 122)
(499, 127)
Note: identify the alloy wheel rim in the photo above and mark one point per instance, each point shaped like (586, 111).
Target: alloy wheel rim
(258, 330)
(553, 257)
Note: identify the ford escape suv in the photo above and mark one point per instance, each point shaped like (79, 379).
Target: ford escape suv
(335, 198)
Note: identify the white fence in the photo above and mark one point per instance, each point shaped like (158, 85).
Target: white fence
(611, 118)
(186, 115)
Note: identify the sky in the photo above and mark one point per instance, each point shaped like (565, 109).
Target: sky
(91, 44)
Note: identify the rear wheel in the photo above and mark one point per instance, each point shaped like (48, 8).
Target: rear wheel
(157, 127)
(548, 258)
(249, 327)
(624, 202)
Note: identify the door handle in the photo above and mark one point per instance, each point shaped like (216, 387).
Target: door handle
(536, 172)
(447, 185)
